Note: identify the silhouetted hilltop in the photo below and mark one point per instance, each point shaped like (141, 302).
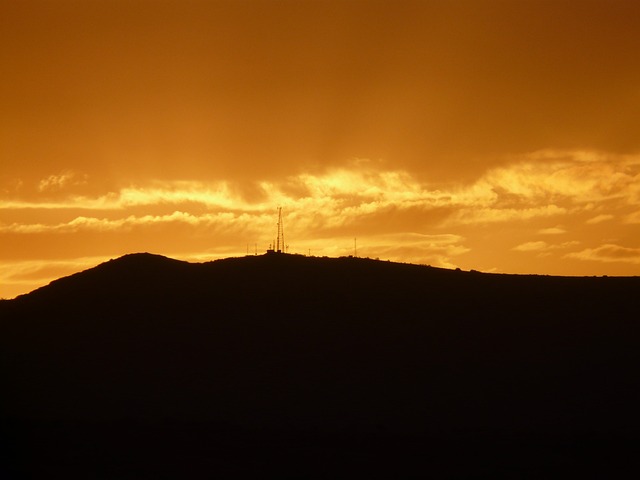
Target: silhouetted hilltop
(281, 358)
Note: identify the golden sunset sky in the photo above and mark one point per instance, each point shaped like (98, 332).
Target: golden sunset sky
(501, 136)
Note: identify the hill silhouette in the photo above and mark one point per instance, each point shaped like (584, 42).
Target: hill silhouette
(145, 366)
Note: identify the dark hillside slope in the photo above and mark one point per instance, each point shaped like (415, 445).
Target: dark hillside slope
(154, 365)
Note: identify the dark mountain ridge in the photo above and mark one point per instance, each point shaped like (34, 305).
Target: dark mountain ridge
(387, 361)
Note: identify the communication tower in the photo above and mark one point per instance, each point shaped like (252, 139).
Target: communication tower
(280, 239)
(278, 245)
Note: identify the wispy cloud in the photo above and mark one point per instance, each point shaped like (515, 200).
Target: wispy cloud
(541, 185)
(557, 230)
(531, 246)
(534, 181)
(633, 217)
(61, 181)
(542, 246)
(470, 216)
(609, 253)
(600, 219)
(227, 219)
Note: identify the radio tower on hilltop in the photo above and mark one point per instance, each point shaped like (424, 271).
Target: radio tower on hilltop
(278, 244)
(280, 239)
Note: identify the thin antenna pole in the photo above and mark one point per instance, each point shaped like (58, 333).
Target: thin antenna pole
(355, 247)
(280, 238)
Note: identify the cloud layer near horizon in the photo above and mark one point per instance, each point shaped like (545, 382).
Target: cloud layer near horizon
(564, 196)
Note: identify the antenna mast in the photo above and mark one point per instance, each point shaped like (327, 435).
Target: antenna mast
(280, 239)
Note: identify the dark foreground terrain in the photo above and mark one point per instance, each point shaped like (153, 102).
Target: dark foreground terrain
(147, 367)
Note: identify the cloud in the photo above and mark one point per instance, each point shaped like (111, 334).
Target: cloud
(542, 246)
(229, 220)
(538, 185)
(470, 216)
(531, 246)
(557, 230)
(599, 219)
(578, 176)
(633, 217)
(608, 253)
(549, 182)
(61, 181)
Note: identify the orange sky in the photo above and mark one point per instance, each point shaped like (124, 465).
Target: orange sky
(494, 135)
